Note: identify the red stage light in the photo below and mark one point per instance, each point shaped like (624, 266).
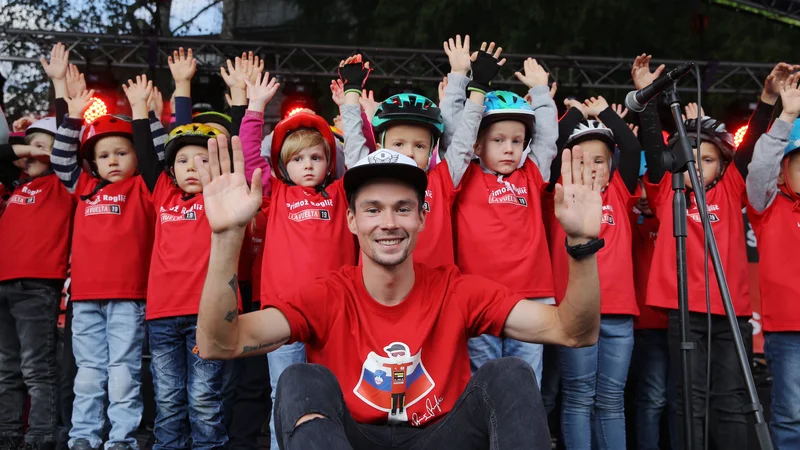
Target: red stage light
(738, 137)
(97, 109)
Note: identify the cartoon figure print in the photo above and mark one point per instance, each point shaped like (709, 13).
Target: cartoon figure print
(393, 382)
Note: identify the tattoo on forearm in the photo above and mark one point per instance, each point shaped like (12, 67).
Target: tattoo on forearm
(234, 284)
(253, 348)
(230, 316)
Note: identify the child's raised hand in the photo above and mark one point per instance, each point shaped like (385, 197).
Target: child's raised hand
(594, 106)
(485, 67)
(337, 122)
(442, 87)
(56, 69)
(640, 72)
(76, 83)
(775, 81)
(262, 91)
(236, 75)
(155, 102)
(230, 204)
(138, 92)
(353, 72)
(621, 110)
(534, 74)
(634, 129)
(78, 104)
(458, 54)
(32, 151)
(691, 111)
(368, 103)
(790, 96)
(182, 65)
(572, 103)
(22, 124)
(553, 89)
(337, 92)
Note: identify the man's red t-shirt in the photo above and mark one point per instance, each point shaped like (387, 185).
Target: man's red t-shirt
(258, 231)
(725, 202)
(778, 235)
(614, 260)
(645, 232)
(112, 240)
(499, 230)
(435, 243)
(180, 252)
(307, 236)
(35, 230)
(365, 344)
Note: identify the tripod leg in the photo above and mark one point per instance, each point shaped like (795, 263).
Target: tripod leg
(697, 365)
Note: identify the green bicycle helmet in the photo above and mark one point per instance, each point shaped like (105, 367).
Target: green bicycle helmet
(408, 108)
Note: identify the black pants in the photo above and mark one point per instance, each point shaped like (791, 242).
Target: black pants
(28, 320)
(68, 370)
(729, 426)
(500, 409)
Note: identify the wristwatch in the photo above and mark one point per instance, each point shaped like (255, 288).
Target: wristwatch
(581, 251)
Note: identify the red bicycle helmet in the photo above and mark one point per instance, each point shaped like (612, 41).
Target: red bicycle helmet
(300, 121)
(104, 126)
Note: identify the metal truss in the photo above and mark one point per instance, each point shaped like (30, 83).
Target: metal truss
(786, 11)
(298, 61)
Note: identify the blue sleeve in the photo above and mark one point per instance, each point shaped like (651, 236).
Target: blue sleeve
(183, 111)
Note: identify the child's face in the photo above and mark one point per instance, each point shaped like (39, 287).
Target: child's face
(792, 175)
(413, 141)
(34, 167)
(711, 160)
(308, 167)
(501, 146)
(185, 168)
(115, 158)
(642, 204)
(219, 128)
(600, 156)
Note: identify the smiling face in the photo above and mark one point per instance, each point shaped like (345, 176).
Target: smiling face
(115, 158)
(500, 146)
(386, 217)
(185, 168)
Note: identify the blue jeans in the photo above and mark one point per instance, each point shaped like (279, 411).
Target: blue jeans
(107, 339)
(188, 388)
(593, 381)
(654, 387)
(279, 360)
(782, 350)
(485, 348)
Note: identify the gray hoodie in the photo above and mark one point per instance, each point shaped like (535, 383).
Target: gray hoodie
(764, 168)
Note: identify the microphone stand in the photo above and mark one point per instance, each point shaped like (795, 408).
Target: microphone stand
(679, 160)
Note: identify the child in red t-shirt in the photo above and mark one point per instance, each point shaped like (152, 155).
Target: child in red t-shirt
(498, 227)
(34, 232)
(594, 377)
(773, 183)
(307, 235)
(723, 173)
(111, 244)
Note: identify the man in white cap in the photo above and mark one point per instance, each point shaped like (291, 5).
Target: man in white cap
(387, 341)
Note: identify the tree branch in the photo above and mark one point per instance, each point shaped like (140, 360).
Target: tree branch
(186, 23)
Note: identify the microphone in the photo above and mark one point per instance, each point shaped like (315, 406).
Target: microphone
(637, 100)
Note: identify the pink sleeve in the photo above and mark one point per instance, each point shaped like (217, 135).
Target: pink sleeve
(369, 136)
(251, 133)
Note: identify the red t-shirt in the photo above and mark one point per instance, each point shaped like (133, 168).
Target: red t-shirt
(645, 232)
(725, 202)
(258, 230)
(112, 240)
(435, 243)
(499, 230)
(307, 236)
(778, 235)
(35, 229)
(418, 347)
(180, 252)
(614, 260)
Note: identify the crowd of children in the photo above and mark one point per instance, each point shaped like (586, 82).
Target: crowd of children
(120, 201)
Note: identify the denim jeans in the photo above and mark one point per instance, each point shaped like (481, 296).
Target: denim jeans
(188, 388)
(499, 409)
(593, 381)
(654, 388)
(485, 348)
(107, 339)
(782, 350)
(279, 360)
(729, 391)
(28, 319)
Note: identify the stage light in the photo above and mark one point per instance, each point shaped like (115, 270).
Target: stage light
(97, 109)
(738, 137)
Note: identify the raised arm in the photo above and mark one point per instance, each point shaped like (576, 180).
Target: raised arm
(629, 147)
(229, 207)
(182, 65)
(155, 105)
(455, 91)
(649, 123)
(762, 179)
(576, 321)
(543, 148)
(64, 159)
(138, 93)
(57, 69)
(261, 92)
(576, 112)
(765, 108)
(346, 93)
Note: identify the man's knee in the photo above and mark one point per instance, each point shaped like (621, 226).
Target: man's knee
(505, 372)
(306, 379)
(308, 417)
(306, 392)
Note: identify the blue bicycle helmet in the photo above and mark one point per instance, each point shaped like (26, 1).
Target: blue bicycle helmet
(794, 139)
(505, 105)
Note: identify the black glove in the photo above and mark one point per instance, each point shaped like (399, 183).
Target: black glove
(354, 76)
(484, 69)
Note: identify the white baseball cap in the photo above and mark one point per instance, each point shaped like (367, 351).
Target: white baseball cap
(388, 165)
